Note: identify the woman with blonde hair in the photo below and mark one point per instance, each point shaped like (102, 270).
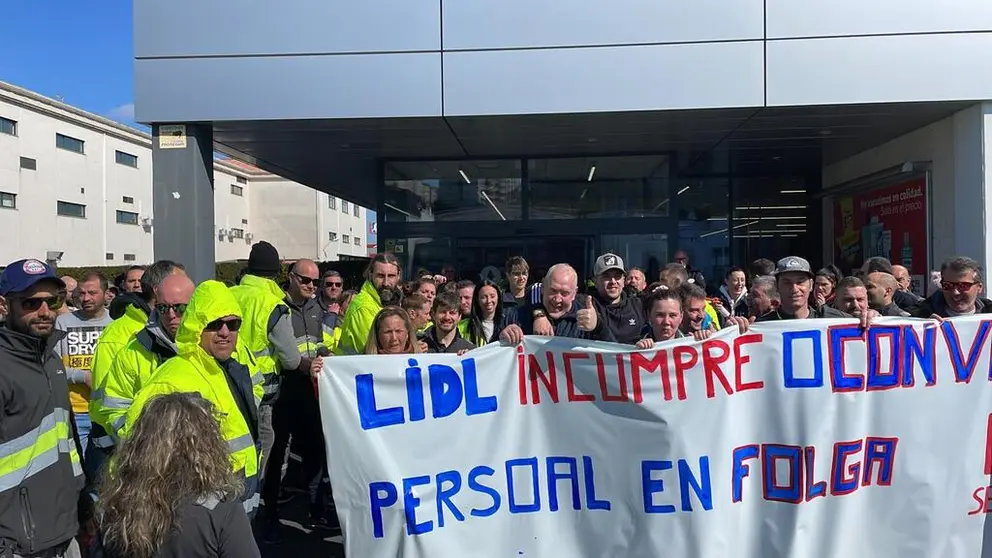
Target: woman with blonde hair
(169, 490)
(392, 333)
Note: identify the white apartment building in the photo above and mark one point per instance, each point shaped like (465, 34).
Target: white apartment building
(77, 188)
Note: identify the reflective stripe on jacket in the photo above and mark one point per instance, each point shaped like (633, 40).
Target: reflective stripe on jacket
(358, 320)
(308, 329)
(132, 369)
(40, 471)
(112, 341)
(194, 370)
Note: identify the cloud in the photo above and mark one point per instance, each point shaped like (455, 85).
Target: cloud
(123, 113)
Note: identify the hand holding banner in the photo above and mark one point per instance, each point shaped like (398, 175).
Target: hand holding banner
(811, 438)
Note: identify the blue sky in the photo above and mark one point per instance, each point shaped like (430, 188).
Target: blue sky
(79, 49)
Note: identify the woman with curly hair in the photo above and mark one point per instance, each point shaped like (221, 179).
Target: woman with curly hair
(169, 490)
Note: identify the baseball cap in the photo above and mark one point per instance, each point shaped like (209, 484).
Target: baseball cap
(793, 263)
(23, 274)
(607, 262)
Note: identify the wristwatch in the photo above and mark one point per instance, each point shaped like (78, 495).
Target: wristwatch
(539, 314)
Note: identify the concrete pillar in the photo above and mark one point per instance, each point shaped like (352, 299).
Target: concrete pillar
(183, 196)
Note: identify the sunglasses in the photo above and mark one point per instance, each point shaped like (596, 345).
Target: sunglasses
(329, 284)
(177, 308)
(233, 324)
(32, 304)
(304, 280)
(960, 286)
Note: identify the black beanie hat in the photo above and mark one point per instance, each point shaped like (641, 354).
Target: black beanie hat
(264, 260)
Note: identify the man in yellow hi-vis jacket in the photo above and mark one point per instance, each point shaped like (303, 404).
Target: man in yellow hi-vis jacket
(383, 273)
(205, 364)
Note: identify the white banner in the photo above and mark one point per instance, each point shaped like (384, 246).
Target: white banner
(801, 439)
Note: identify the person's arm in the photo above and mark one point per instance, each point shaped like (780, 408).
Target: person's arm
(235, 538)
(282, 339)
(117, 391)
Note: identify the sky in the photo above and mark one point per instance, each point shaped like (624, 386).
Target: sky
(80, 50)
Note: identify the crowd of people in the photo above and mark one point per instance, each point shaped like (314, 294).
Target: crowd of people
(155, 417)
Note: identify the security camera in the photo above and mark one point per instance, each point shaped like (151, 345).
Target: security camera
(54, 256)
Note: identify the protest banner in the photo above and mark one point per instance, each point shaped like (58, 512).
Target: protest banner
(807, 438)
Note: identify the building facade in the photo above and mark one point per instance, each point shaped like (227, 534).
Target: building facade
(77, 188)
(733, 129)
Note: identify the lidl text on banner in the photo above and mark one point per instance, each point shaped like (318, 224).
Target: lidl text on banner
(809, 438)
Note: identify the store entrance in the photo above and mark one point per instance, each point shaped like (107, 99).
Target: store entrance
(484, 258)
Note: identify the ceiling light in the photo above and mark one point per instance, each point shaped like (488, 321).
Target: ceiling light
(682, 191)
(592, 173)
(793, 192)
(826, 132)
(803, 225)
(491, 204)
(777, 158)
(711, 233)
(464, 176)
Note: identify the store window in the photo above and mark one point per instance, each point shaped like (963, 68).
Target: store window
(453, 191)
(704, 226)
(416, 253)
(599, 187)
(770, 219)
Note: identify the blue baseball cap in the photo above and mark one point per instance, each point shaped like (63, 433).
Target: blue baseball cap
(24, 274)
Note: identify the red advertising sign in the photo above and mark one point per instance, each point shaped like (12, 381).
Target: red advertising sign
(890, 222)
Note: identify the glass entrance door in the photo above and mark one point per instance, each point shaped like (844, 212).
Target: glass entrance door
(485, 258)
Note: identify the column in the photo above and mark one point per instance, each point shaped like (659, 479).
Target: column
(183, 196)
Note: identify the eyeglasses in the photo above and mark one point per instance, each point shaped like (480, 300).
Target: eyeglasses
(330, 284)
(233, 324)
(960, 286)
(32, 304)
(303, 279)
(177, 308)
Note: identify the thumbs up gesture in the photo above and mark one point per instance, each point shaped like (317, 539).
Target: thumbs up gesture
(587, 317)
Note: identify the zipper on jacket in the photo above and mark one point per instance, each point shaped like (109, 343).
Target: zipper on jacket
(27, 520)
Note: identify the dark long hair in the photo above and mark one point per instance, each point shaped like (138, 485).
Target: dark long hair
(475, 329)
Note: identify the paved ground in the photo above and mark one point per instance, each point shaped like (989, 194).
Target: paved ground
(300, 541)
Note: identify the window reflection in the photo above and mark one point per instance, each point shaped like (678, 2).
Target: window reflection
(771, 223)
(601, 187)
(703, 207)
(417, 253)
(422, 191)
(649, 252)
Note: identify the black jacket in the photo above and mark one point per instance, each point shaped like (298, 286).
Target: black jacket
(624, 318)
(824, 311)
(565, 326)
(893, 310)
(123, 300)
(208, 529)
(457, 344)
(37, 512)
(907, 301)
(936, 305)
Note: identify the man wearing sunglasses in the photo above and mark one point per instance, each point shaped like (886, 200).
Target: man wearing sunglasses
(40, 473)
(959, 295)
(136, 363)
(296, 411)
(204, 364)
(130, 312)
